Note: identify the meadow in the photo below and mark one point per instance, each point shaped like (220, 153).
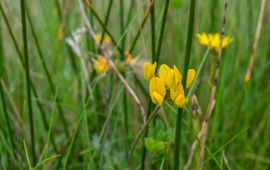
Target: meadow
(135, 84)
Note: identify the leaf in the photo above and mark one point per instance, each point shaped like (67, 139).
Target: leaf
(154, 146)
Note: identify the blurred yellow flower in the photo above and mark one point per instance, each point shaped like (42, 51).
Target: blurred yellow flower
(190, 77)
(149, 70)
(157, 90)
(177, 95)
(106, 38)
(100, 65)
(213, 40)
(128, 57)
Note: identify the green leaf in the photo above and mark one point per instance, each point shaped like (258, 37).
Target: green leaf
(154, 146)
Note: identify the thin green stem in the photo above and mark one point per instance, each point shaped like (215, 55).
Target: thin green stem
(150, 104)
(1, 53)
(186, 66)
(150, 108)
(153, 33)
(178, 138)
(160, 39)
(132, 47)
(28, 84)
(58, 8)
(106, 20)
(125, 102)
(131, 6)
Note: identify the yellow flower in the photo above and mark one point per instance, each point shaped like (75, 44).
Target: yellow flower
(106, 38)
(163, 72)
(190, 77)
(128, 57)
(149, 70)
(178, 96)
(157, 90)
(100, 65)
(203, 39)
(170, 77)
(213, 40)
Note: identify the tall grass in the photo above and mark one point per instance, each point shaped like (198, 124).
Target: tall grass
(58, 112)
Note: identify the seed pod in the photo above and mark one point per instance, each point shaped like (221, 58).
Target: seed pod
(195, 108)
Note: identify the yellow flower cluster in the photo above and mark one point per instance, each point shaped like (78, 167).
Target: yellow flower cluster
(106, 38)
(100, 65)
(168, 80)
(213, 40)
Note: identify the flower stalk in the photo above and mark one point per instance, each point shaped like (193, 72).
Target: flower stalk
(186, 66)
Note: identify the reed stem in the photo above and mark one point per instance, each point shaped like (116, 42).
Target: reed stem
(186, 66)
(162, 29)
(150, 104)
(28, 84)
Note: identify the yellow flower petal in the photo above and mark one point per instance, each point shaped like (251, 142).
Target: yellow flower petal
(157, 98)
(179, 90)
(203, 39)
(174, 77)
(128, 57)
(213, 40)
(190, 77)
(149, 70)
(163, 72)
(100, 65)
(180, 101)
(98, 37)
(157, 90)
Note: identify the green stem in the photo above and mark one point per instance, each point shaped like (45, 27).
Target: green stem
(178, 138)
(125, 102)
(106, 20)
(153, 33)
(160, 40)
(150, 104)
(131, 6)
(2, 69)
(58, 8)
(186, 66)
(28, 84)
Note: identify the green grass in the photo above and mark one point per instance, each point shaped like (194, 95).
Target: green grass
(79, 124)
